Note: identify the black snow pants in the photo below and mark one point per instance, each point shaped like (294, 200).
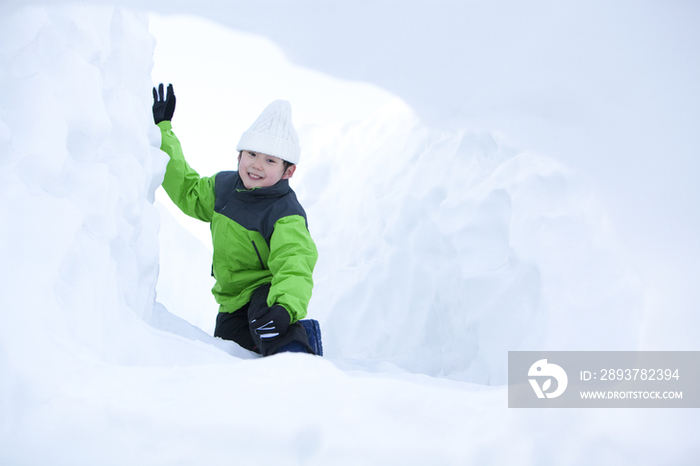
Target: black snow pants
(235, 326)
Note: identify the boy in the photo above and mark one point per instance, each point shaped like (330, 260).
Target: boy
(263, 253)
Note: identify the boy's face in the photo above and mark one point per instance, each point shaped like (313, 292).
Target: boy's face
(261, 170)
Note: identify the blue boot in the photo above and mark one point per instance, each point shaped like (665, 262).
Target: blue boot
(313, 330)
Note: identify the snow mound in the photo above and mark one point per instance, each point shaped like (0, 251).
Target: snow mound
(79, 172)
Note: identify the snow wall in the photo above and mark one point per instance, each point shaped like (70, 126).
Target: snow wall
(80, 249)
(441, 251)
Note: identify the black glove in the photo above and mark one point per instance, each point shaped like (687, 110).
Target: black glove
(271, 323)
(163, 107)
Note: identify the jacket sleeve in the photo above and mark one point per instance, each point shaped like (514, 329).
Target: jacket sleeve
(292, 260)
(193, 194)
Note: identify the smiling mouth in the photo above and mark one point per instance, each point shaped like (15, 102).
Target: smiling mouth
(253, 176)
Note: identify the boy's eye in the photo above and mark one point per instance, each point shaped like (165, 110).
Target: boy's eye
(270, 161)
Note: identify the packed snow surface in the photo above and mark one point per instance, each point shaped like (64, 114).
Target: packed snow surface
(443, 244)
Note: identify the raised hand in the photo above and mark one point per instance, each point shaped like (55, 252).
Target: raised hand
(163, 105)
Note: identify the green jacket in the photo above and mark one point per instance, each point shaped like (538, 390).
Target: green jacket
(259, 235)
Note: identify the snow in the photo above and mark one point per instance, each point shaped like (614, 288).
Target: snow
(466, 200)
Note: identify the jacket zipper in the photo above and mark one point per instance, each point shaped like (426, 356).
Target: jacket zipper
(258, 253)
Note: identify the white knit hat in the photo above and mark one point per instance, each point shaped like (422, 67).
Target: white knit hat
(273, 133)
